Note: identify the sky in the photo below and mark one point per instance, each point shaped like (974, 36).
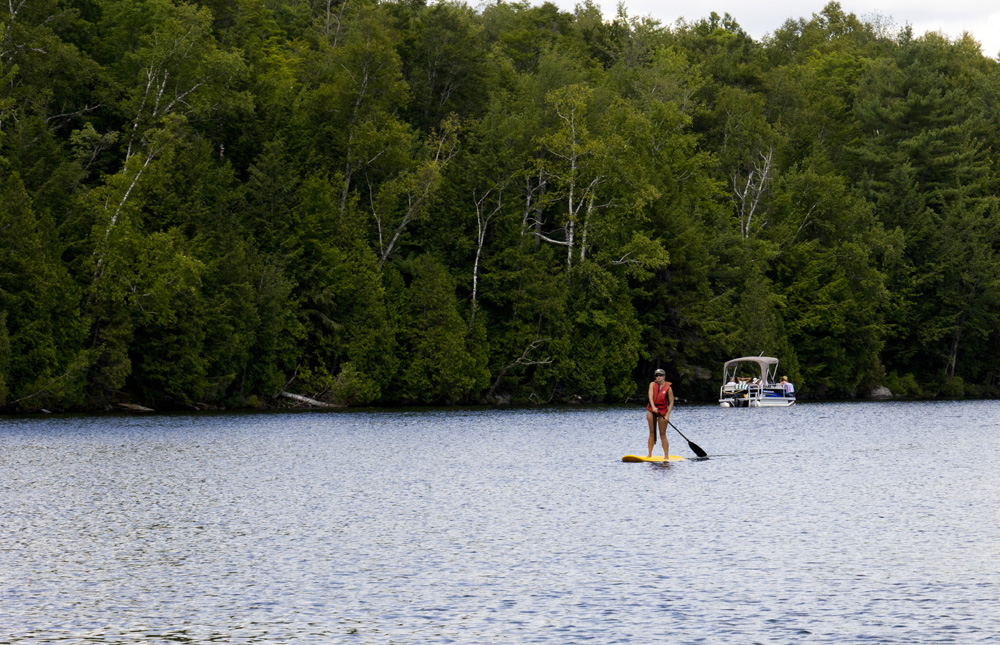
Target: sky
(981, 18)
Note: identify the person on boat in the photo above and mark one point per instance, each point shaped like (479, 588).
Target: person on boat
(786, 387)
(661, 402)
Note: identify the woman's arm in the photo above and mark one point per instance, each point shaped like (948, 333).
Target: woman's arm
(670, 401)
(650, 395)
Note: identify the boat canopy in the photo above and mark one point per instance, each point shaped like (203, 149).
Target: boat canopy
(764, 362)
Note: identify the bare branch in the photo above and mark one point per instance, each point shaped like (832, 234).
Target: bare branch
(551, 241)
(623, 260)
(76, 366)
(85, 110)
(522, 361)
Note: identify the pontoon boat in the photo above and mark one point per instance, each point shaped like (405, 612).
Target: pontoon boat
(751, 382)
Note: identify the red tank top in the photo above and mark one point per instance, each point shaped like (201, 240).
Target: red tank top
(660, 398)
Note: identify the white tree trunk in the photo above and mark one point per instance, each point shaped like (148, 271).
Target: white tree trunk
(482, 222)
(749, 192)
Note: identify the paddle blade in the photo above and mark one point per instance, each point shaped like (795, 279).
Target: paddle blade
(697, 449)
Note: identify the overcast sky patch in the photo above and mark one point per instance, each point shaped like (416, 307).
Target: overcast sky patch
(980, 19)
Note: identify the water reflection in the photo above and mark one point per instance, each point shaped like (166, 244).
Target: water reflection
(832, 523)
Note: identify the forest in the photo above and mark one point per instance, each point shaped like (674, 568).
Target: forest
(366, 202)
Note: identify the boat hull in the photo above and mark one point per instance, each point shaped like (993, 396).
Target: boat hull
(751, 401)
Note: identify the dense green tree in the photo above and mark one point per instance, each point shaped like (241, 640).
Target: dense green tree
(924, 165)
(441, 362)
(388, 202)
(443, 63)
(833, 295)
(41, 361)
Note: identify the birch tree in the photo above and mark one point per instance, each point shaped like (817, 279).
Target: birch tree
(358, 88)
(749, 190)
(485, 211)
(176, 74)
(571, 150)
(171, 65)
(398, 201)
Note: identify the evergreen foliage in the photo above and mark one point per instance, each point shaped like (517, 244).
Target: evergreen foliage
(387, 202)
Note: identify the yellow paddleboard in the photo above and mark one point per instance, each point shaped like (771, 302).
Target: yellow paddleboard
(655, 458)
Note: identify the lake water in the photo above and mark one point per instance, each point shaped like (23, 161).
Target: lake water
(822, 523)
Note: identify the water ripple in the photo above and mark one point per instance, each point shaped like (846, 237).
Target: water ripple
(823, 523)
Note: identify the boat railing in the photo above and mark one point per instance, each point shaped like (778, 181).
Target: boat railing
(753, 391)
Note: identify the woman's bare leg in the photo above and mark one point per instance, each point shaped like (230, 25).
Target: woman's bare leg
(652, 431)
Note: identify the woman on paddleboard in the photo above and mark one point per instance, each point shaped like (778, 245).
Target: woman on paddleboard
(661, 402)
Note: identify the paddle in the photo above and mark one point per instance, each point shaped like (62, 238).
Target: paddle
(694, 447)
